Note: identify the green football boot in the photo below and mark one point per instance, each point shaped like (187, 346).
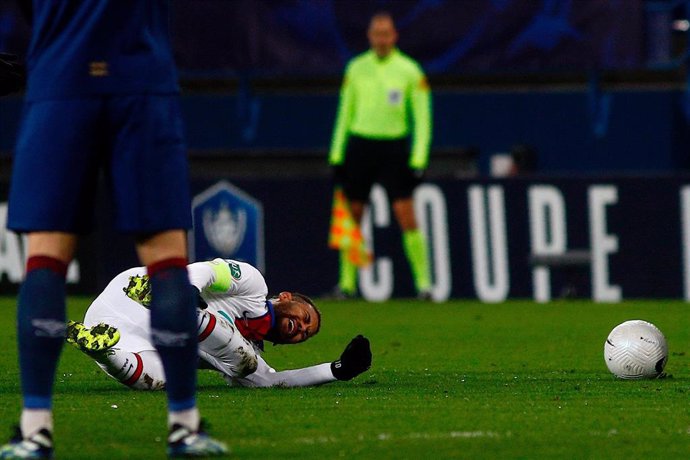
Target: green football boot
(92, 340)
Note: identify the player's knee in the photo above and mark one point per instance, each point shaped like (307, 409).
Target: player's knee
(147, 383)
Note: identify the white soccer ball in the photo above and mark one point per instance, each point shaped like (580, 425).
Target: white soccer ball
(636, 349)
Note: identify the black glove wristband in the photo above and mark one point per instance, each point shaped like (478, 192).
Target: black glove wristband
(338, 372)
(355, 359)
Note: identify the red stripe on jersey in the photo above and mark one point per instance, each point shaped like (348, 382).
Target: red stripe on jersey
(137, 372)
(254, 328)
(209, 328)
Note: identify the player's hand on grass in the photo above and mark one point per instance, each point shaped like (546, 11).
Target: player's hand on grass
(12, 74)
(354, 360)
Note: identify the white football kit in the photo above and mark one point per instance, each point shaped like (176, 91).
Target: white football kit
(236, 318)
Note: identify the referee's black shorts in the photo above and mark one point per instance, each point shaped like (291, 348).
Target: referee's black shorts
(369, 161)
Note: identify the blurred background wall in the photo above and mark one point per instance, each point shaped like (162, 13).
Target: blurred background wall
(575, 93)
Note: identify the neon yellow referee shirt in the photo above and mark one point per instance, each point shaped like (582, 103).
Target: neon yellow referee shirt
(384, 99)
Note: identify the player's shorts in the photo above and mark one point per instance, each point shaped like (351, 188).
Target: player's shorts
(63, 145)
(369, 161)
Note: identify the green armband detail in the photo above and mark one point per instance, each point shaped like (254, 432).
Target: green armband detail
(223, 279)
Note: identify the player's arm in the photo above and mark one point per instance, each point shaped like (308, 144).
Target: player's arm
(213, 275)
(355, 360)
(228, 278)
(420, 101)
(266, 376)
(336, 155)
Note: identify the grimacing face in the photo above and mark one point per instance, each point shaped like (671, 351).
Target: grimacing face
(296, 320)
(382, 35)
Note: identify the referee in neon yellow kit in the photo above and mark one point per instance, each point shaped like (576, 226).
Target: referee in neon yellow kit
(385, 105)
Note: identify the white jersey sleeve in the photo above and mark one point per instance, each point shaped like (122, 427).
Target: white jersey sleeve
(266, 376)
(235, 288)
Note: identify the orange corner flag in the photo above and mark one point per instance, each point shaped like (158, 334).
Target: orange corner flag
(345, 233)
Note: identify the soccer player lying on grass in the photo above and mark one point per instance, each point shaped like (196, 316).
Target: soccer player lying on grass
(233, 320)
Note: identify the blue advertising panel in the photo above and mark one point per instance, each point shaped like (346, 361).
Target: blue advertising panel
(228, 223)
(602, 238)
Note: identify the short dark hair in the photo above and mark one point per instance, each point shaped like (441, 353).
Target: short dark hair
(382, 14)
(304, 299)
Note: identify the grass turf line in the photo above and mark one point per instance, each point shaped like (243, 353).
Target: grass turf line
(456, 380)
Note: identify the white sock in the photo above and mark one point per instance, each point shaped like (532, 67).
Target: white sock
(34, 420)
(189, 418)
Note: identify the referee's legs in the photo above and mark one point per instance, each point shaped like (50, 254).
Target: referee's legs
(415, 246)
(347, 280)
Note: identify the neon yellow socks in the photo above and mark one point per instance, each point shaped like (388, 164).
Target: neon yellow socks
(417, 255)
(347, 282)
(414, 244)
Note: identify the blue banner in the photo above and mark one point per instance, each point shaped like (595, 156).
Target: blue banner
(605, 238)
(228, 224)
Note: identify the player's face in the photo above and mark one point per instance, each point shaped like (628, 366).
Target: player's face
(296, 321)
(382, 36)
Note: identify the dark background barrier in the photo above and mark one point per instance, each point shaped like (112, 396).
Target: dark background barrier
(635, 131)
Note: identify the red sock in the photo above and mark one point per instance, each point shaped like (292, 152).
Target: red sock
(38, 262)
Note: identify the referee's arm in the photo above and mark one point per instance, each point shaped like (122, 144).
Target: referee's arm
(421, 114)
(342, 122)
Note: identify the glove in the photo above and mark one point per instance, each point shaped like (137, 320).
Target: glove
(355, 359)
(12, 74)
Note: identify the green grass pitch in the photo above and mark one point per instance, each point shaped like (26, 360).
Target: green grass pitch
(455, 380)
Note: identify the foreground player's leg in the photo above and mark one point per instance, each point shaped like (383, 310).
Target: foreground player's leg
(41, 329)
(38, 445)
(41, 332)
(173, 332)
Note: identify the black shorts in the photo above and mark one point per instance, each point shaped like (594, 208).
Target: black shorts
(384, 162)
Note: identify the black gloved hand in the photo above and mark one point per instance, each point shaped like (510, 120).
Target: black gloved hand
(355, 359)
(12, 74)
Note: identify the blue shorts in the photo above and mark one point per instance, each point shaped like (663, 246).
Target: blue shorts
(63, 145)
